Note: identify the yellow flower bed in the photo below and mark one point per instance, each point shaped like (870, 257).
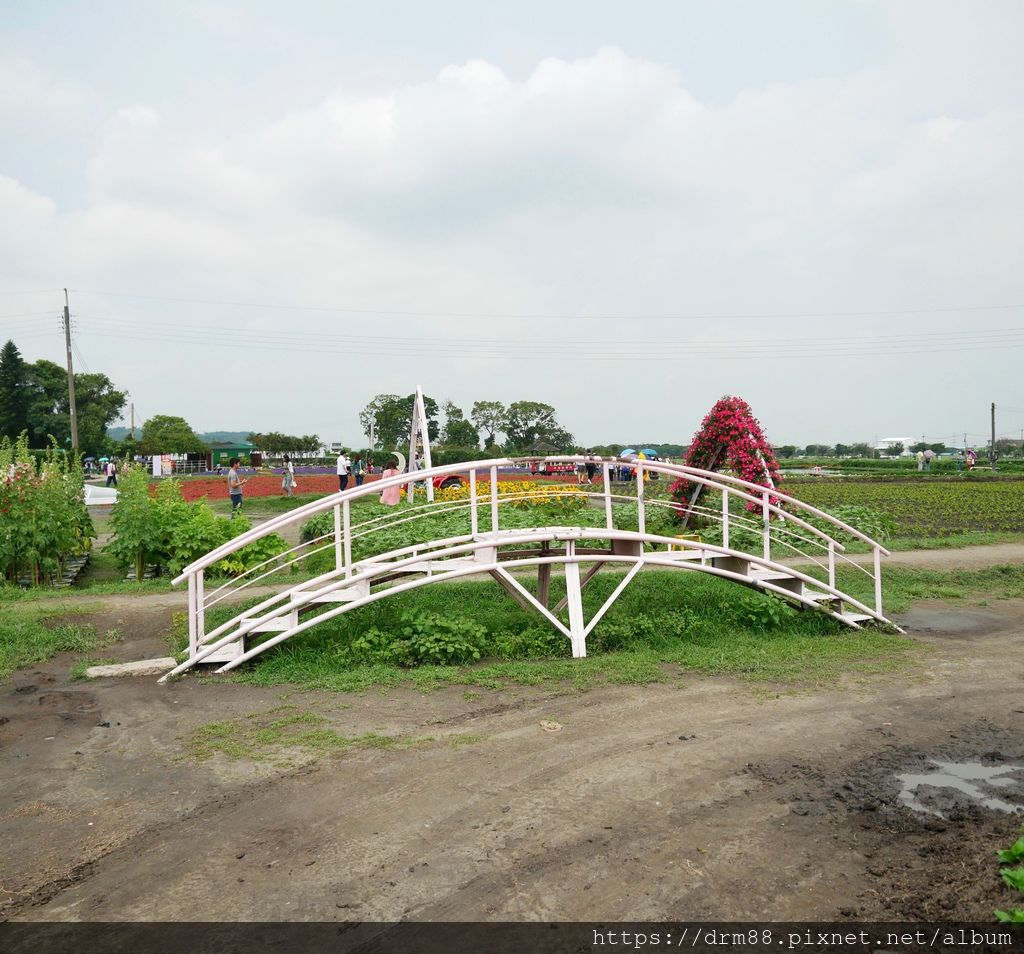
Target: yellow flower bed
(517, 493)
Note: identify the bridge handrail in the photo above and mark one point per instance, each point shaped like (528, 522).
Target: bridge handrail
(708, 478)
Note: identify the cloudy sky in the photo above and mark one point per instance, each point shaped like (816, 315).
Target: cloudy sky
(266, 213)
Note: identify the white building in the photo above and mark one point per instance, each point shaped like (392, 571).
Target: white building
(886, 443)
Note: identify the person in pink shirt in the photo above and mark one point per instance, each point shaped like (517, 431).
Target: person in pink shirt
(391, 495)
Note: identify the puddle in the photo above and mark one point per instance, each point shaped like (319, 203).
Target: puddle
(952, 785)
(945, 620)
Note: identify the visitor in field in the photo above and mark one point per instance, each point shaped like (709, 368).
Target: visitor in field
(920, 459)
(928, 456)
(344, 467)
(111, 472)
(288, 483)
(391, 495)
(591, 468)
(235, 485)
(358, 469)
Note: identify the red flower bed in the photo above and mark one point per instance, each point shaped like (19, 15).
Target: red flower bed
(216, 488)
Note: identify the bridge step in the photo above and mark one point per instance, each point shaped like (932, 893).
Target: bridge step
(785, 581)
(226, 653)
(858, 618)
(732, 564)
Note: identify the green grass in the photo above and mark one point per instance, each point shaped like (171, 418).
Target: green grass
(969, 538)
(15, 594)
(29, 636)
(258, 737)
(266, 506)
(665, 624)
(80, 666)
(902, 586)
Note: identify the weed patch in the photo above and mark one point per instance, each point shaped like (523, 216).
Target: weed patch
(259, 737)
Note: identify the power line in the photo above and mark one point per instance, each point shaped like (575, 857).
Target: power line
(691, 344)
(658, 352)
(532, 316)
(34, 291)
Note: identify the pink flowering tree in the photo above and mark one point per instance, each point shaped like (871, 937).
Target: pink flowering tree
(729, 434)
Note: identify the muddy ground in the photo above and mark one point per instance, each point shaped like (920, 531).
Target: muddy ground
(701, 798)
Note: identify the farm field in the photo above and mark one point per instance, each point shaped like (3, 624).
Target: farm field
(925, 508)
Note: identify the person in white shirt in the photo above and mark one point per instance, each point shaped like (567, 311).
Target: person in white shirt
(344, 469)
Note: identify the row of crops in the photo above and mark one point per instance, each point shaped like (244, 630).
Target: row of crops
(925, 508)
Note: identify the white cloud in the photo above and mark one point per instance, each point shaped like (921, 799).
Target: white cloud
(592, 185)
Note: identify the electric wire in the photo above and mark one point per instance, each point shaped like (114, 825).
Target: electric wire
(533, 316)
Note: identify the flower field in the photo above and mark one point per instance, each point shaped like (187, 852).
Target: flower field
(262, 485)
(927, 508)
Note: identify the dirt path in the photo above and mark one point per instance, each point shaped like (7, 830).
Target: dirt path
(958, 558)
(698, 798)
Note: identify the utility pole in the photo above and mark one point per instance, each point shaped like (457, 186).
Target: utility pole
(992, 453)
(132, 432)
(73, 410)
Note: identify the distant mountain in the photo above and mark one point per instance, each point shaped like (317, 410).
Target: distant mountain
(223, 437)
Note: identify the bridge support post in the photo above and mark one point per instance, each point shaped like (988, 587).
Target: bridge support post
(574, 600)
(544, 577)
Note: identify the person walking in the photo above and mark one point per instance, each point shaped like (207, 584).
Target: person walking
(358, 469)
(235, 485)
(391, 495)
(288, 483)
(111, 472)
(344, 467)
(591, 468)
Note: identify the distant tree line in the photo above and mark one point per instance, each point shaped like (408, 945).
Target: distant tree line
(521, 424)
(274, 443)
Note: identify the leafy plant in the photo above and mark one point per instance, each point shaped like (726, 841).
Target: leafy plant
(423, 638)
(1012, 854)
(43, 517)
(1014, 877)
(162, 528)
(532, 642)
(763, 612)
(1014, 916)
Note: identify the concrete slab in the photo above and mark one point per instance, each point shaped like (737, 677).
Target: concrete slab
(141, 667)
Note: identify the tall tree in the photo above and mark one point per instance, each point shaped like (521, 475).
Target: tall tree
(391, 417)
(489, 416)
(14, 392)
(166, 434)
(99, 404)
(531, 421)
(458, 432)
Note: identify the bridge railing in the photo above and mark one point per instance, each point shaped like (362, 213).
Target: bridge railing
(804, 532)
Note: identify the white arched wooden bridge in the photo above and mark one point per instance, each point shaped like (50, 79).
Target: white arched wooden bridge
(784, 527)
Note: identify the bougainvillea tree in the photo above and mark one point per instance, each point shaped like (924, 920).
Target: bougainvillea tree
(728, 435)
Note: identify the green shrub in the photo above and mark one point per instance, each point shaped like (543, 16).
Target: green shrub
(42, 506)
(422, 639)
(164, 530)
(533, 642)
